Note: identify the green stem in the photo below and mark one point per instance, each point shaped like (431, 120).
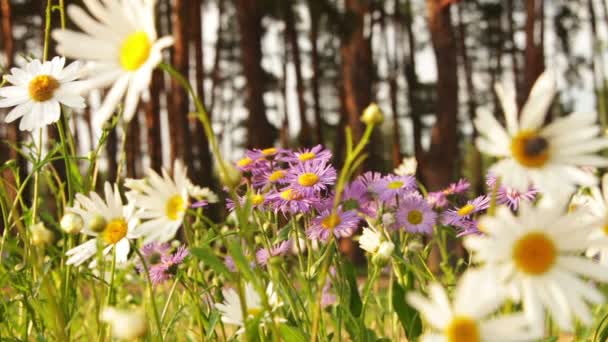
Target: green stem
(171, 292)
(367, 290)
(47, 29)
(151, 293)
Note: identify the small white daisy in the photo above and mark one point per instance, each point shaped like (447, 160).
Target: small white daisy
(108, 220)
(538, 255)
(127, 325)
(231, 307)
(121, 45)
(370, 240)
(38, 90)
(470, 315)
(408, 166)
(546, 156)
(163, 202)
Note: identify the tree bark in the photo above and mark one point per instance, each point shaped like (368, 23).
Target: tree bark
(412, 83)
(260, 132)
(154, 139)
(180, 146)
(216, 73)
(534, 54)
(438, 164)
(316, 70)
(204, 170)
(304, 137)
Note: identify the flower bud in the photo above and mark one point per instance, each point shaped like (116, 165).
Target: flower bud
(71, 223)
(230, 177)
(372, 115)
(41, 235)
(383, 255)
(126, 325)
(98, 224)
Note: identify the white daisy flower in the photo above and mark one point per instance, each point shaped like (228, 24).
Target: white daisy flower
(163, 202)
(547, 156)
(470, 315)
(370, 240)
(408, 166)
(108, 220)
(231, 307)
(127, 325)
(38, 90)
(121, 45)
(538, 255)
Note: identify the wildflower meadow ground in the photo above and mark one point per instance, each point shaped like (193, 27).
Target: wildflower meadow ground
(143, 259)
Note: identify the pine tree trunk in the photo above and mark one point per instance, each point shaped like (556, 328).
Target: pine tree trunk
(203, 172)
(304, 137)
(178, 100)
(260, 132)
(154, 139)
(215, 75)
(411, 79)
(534, 55)
(316, 70)
(438, 165)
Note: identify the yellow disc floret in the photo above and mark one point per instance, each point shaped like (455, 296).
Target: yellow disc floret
(414, 217)
(174, 207)
(306, 156)
(269, 151)
(42, 87)
(466, 210)
(244, 162)
(394, 185)
(277, 175)
(462, 329)
(308, 179)
(530, 149)
(331, 221)
(257, 199)
(605, 228)
(135, 50)
(115, 231)
(534, 253)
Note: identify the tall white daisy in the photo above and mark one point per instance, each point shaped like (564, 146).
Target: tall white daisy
(231, 307)
(38, 90)
(538, 255)
(469, 316)
(121, 45)
(108, 220)
(547, 156)
(163, 202)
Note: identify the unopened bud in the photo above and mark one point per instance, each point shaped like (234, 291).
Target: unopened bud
(384, 253)
(41, 235)
(372, 115)
(98, 224)
(71, 223)
(230, 176)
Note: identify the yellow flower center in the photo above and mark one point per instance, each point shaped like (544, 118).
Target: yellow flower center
(331, 221)
(269, 151)
(289, 195)
(414, 217)
(257, 199)
(481, 228)
(275, 176)
(135, 51)
(306, 156)
(115, 230)
(530, 149)
(308, 179)
(605, 228)
(466, 210)
(395, 185)
(42, 87)
(253, 311)
(174, 207)
(462, 329)
(534, 253)
(244, 162)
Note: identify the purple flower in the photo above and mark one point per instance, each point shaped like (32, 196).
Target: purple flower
(315, 154)
(509, 196)
(229, 262)
(456, 216)
(369, 178)
(356, 196)
(247, 164)
(437, 199)
(390, 187)
(415, 215)
(268, 177)
(341, 223)
(311, 178)
(162, 265)
(263, 254)
(457, 188)
(199, 204)
(291, 201)
(261, 154)
(468, 227)
(257, 201)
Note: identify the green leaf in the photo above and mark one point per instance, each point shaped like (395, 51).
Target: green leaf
(289, 333)
(252, 333)
(213, 319)
(206, 255)
(355, 304)
(235, 249)
(408, 316)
